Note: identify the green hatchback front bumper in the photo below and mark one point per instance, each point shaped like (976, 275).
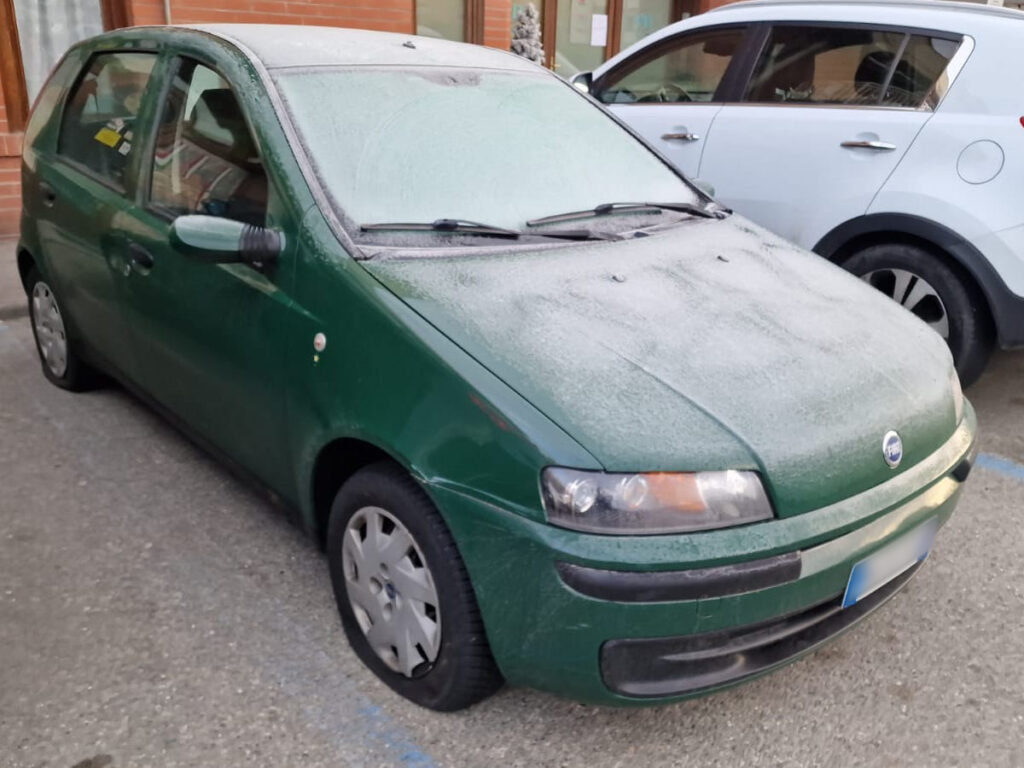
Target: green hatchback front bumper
(644, 620)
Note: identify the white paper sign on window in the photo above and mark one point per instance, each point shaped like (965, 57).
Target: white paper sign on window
(599, 29)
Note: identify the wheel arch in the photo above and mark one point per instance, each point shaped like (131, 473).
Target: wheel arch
(1005, 308)
(335, 463)
(26, 263)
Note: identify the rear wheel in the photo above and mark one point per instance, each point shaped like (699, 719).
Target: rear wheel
(940, 295)
(60, 360)
(405, 599)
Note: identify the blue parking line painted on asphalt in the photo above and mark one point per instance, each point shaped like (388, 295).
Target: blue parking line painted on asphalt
(994, 463)
(407, 752)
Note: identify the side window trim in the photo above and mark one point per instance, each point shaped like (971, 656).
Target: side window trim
(663, 46)
(113, 185)
(953, 67)
(143, 197)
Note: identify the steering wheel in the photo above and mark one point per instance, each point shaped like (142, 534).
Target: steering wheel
(665, 93)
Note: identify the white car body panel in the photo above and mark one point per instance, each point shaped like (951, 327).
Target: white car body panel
(782, 166)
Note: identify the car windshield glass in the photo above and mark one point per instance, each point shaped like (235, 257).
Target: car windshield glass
(504, 148)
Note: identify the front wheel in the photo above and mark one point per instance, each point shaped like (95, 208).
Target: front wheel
(405, 599)
(938, 294)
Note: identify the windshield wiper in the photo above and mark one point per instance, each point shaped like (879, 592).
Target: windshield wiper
(486, 230)
(444, 225)
(608, 208)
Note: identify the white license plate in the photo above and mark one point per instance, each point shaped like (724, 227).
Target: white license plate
(878, 569)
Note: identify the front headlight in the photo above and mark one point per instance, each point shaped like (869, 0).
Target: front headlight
(655, 502)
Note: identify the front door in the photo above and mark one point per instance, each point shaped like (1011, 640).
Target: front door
(827, 115)
(671, 92)
(89, 182)
(208, 338)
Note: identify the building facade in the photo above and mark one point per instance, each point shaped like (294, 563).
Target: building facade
(577, 35)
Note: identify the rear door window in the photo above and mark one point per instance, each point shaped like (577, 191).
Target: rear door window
(850, 66)
(98, 126)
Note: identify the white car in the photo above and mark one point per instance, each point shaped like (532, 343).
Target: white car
(885, 136)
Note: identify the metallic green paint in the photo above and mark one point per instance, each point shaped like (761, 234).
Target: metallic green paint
(229, 350)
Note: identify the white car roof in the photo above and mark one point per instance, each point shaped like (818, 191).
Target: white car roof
(940, 15)
(290, 45)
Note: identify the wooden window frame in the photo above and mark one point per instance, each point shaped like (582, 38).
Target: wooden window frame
(115, 14)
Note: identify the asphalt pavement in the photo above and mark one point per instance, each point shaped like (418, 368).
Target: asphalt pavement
(154, 612)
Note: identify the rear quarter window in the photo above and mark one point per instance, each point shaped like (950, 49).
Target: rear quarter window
(49, 98)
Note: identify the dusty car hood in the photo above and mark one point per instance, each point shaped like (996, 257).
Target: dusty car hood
(711, 345)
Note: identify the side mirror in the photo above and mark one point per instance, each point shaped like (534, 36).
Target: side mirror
(704, 186)
(225, 241)
(582, 81)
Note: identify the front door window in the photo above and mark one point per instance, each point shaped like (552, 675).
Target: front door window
(206, 160)
(687, 69)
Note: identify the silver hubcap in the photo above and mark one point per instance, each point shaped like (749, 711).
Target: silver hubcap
(49, 327)
(391, 590)
(914, 293)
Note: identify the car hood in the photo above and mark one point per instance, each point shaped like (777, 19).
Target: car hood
(709, 345)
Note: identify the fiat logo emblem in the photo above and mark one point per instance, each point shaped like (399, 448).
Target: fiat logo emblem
(892, 449)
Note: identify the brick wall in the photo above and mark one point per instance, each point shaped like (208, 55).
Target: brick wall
(385, 15)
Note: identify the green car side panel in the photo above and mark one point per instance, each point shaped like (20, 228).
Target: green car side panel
(389, 378)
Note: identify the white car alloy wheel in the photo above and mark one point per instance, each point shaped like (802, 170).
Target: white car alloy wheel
(49, 327)
(391, 590)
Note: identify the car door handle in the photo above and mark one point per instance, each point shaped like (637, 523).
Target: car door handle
(140, 256)
(686, 136)
(880, 146)
(49, 195)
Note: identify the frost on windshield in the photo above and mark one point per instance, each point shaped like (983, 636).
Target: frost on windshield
(496, 147)
(712, 345)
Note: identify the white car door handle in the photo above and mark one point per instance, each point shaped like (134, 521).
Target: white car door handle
(681, 136)
(881, 146)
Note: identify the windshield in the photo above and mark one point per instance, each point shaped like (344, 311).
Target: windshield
(487, 146)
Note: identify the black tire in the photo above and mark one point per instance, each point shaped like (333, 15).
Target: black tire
(971, 331)
(77, 376)
(464, 671)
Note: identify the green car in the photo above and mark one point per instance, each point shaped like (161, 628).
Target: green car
(558, 418)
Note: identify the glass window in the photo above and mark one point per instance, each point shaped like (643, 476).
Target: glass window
(921, 68)
(425, 144)
(581, 35)
(441, 18)
(642, 17)
(98, 124)
(47, 28)
(822, 65)
(205, 159)
(687, 69)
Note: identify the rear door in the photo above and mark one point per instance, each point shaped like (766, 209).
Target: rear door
(84, 187)
(671, 91)
(827, 114)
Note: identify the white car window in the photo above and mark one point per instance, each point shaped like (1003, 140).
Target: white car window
(848, 65)
(688, 69)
